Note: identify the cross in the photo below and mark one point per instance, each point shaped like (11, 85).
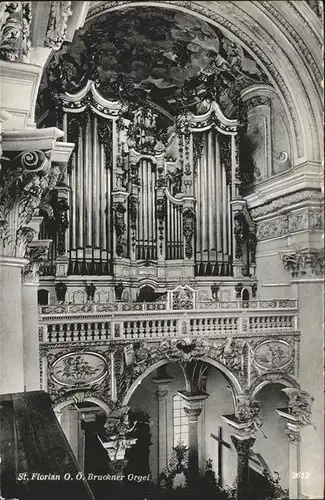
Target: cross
(221, 443)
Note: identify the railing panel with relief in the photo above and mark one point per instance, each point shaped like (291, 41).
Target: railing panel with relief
(122, 321)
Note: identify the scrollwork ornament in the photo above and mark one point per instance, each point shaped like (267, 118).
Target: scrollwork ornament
(15, 19)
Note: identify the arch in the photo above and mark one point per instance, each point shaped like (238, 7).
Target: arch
(235, 385)
(275, 378)
(89, 399)
(259, 29)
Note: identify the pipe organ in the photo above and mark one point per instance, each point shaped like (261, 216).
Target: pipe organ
(126, 200)
(213, 210)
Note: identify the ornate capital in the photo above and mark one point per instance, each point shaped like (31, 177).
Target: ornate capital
(15, 19)
(293, 436)
(24, 180)
(57, 25)
(304, 263)
(242, 445)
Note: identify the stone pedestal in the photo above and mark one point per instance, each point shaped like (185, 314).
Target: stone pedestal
(11, 340)
(163, 422)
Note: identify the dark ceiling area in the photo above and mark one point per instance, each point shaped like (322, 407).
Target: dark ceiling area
(170, 59)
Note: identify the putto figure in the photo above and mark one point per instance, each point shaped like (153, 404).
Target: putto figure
(299, 405)
(248, 411)
(117, 429)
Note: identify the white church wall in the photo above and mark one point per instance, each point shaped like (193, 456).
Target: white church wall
(275, 448)
(219, 403)
(310, 296)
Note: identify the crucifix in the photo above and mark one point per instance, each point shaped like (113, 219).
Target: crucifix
(221, 443)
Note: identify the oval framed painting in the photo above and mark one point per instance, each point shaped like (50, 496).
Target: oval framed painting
(273, 354)
(79, 369)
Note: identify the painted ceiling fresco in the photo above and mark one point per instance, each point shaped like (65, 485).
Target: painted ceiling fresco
(168, 57)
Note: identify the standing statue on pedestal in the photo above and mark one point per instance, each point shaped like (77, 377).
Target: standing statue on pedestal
(61, 290)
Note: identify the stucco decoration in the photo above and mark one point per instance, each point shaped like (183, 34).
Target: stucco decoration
(299, 405)
(273, 355)
(79, 369)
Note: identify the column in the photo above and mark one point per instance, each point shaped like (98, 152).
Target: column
(193, 408)
(25, 175)
(242, 446)
(164, 423)
(36, 252)
(244, 423)
(11, 340)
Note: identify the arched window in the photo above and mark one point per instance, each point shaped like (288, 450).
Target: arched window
(245, 297)
(43, 297)
(180, 421)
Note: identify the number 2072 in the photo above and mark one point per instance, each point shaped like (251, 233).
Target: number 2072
(300, 475)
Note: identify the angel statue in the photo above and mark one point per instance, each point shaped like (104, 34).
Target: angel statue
(117, 427)
(299, 405)
(248, 411)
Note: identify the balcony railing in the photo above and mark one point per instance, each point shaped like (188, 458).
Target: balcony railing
(163, 306)
(149, 321)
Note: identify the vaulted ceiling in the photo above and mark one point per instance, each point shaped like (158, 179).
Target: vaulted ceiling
(166, 57)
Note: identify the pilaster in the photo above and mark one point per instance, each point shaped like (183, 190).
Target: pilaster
(163, 421)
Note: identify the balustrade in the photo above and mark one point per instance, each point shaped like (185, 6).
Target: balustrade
(154, 324)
